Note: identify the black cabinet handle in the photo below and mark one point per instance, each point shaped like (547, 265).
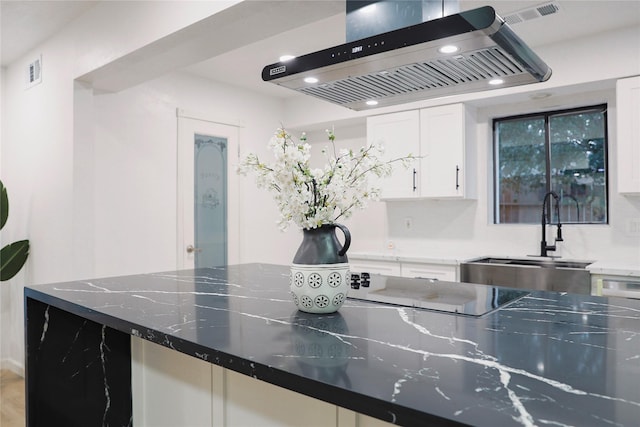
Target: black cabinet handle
(414, 179)
(457, 176)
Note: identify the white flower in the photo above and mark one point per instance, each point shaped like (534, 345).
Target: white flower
(313, 197)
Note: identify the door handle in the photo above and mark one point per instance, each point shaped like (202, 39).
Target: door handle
(191, 249)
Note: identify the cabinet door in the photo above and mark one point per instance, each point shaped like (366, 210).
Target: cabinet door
(628, 111)
(442, 144)
(399, 133)
(386, 268)
(429, 271)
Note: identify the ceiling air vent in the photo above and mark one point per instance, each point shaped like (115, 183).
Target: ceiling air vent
(530, 13)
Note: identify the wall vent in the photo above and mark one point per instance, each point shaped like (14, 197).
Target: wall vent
(544, 9)
(34, 72)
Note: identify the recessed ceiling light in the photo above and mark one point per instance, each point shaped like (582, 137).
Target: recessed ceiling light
(310, 80)
(372, 102)
(448, 49)
(496, 82)
(285, 58)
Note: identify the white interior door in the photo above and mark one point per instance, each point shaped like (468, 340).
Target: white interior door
(208, 206)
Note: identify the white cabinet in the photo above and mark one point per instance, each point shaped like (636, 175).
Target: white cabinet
(611, 285)
(424, 270)
(173, 389)
(399, 134)
(443, 138)
(429, 271)
(447, 147)
(386, 268)
(628, 141)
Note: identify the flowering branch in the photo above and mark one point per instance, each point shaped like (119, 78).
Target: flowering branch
(313, 197)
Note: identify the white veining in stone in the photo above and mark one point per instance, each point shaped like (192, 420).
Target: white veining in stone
(75, 339)
(396, 388)
(441, 393)
(45, 326)
(107, 395)
(553, 423)
(524, 417)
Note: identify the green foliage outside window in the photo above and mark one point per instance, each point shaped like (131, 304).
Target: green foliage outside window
(562, 151)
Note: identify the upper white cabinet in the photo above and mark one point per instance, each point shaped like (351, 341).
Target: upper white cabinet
(628, 142)
(399, 133)
(443, 138)
(447, 147)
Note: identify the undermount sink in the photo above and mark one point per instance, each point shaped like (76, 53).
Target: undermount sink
(549, 274)
(535, 262)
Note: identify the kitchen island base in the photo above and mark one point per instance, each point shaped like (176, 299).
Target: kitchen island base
(78, 371)
(244, 356)
(172, 389)
(82, 373)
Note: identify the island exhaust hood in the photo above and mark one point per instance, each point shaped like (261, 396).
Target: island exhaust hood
(465, 52)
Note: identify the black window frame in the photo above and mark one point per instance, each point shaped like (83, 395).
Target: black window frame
(603, 108)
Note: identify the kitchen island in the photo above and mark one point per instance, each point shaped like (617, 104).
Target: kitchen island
(544, 359)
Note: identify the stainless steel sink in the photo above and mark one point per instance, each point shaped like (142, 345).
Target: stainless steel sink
(549, 274)
(535, 262)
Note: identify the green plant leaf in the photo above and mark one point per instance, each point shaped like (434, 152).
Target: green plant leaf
(4, 205)
(12, 258)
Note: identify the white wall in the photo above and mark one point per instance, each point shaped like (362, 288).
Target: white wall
(75, 219)
(37, 169)
(134, 158)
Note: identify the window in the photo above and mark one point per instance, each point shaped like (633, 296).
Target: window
(560, 151)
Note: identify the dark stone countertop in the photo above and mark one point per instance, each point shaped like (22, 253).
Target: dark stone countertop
(546, 359)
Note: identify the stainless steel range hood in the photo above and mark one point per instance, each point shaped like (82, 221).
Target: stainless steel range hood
(408, 64)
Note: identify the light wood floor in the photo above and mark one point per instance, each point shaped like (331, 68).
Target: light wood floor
(11, 399)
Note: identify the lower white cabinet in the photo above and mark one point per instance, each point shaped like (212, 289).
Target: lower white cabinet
(446, 273)
(422, 270)
(386, 268)
(172, 389)
(610, 285)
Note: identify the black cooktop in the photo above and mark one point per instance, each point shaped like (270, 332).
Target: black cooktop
(452, 297)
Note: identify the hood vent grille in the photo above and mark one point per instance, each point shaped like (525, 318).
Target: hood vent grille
(417, 77)
(410, 64)
(532, 13)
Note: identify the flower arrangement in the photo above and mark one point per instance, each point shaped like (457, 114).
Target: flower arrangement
(310, 197)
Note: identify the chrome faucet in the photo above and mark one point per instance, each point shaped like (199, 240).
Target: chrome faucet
(544, 248)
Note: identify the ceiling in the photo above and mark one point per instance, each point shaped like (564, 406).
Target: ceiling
(26, 24)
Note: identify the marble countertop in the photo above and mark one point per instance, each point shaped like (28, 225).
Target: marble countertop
(546, 359)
